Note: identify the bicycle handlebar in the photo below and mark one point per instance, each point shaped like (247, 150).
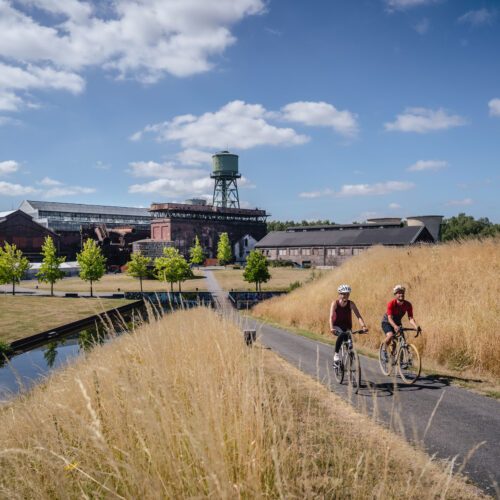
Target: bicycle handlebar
(418, 330)
(358, 331)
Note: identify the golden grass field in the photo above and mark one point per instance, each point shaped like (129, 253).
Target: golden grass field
(22, 316)
(454, 289)
(281, 277)
(182, 409)
(116, 282)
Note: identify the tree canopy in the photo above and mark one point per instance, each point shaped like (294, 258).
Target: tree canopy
(92, 263)
(276, 225)
(256, 270)
(196, 252)
(224, 252)
(138, 266)
(13, 265)
(50, 271)
(465, 226)
(172, 267)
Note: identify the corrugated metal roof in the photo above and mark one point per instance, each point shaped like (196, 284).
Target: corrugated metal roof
(349, 237)
(53, 206)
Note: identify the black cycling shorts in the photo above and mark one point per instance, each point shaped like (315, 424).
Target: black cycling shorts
(387, 328)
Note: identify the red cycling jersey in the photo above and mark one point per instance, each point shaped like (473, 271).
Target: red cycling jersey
(397, 311)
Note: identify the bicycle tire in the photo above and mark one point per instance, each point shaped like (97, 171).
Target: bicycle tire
(339, 368)
(409, 364)
(353, 370)
(385, 366)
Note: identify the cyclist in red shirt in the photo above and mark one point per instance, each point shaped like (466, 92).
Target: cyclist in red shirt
(341, 318)
(396, 309)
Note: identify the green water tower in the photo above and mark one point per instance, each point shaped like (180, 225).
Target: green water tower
(225, 173)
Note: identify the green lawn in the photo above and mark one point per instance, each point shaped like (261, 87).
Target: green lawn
(281, 277)
(117, 283)
(22, 316)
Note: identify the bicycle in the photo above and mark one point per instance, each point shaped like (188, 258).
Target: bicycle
(404, 355)
(349, 362)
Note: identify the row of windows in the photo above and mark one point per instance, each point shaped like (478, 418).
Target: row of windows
(330, 252)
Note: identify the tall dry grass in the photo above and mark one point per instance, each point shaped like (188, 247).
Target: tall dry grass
(182, 409)
(454, 289)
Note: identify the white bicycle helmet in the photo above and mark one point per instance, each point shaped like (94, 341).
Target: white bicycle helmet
(398, 288)
(344, 289)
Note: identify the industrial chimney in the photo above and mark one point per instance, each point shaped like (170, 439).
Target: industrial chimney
(225, 172)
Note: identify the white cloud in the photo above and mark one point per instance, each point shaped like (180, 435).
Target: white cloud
(235, 125)
(378, 188)
(321, 114)
(9, 189)
(194, 157)
(59, 191)
(423, 120)
(478, 17)
(8, 167)
(460, 203)
(101, 165)
(406, 4)
(140, 39)
(494, 106)
(422, 27)
(394, 206)
(347, 190)
(427, 165)
(47, 181)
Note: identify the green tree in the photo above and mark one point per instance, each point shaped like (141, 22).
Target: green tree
(224, 252)
(92, 263)
(196, 252)
(256, 270)
(465, 226)
(13, 265)
(172, 267)
(138, 266)
(50, 271)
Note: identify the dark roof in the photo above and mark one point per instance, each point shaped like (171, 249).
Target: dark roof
(340, 227)
(348, 237)
(88, 209)
(19, 213)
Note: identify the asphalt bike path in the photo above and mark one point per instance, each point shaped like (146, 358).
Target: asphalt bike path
(449, 422)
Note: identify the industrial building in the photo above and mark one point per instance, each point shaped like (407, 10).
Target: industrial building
(331, 245)
(19, 228)
(177, 224)
(114, 227)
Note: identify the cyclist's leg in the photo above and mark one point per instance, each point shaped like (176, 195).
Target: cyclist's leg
(389, 333)
(341, 337)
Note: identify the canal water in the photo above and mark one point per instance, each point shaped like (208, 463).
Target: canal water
(19, 373)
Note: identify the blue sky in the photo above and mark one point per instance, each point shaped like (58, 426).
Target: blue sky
(338, 109)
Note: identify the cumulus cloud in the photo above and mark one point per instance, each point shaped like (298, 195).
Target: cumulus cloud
(406, 4)
(348, 190)
(494, 106)
(235, 125)
(140, 39)
(427, 165)
(423, 120)
(194, 157)
(394, 206)
(478, 17)
(460, 203)
(8, 167)
(47, 181)
(9, 189)
(321, 114)
(60, 191)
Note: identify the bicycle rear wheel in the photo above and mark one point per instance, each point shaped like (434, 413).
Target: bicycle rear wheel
(338, 368)
(409, 365)
(384, 359)
(353, 370)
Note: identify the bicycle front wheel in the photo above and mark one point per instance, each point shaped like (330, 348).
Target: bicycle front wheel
(384, 359)
(338, 368)
(353, 370)
(409, 365)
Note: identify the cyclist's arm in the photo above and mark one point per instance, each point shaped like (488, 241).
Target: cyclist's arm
(356, 312)
(414, 323)
(333, 314)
